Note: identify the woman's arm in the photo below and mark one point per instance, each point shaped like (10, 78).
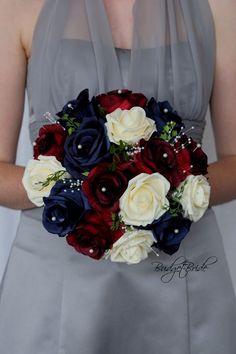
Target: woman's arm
(222, 173)
(13, 64)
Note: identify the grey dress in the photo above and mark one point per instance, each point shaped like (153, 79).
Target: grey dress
(56, 301)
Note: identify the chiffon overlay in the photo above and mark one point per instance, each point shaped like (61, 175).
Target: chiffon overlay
(56, 301)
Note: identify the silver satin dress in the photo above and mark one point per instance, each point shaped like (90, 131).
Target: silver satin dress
(54, 300)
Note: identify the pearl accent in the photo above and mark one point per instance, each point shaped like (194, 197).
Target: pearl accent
(176, 231)
(54, 218)
(119, 91)
(165, 155)
(91, 250)
(79, 146)
(69, 105)
(166, 110)
(104, 189)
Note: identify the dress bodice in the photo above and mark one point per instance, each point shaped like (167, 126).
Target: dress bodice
(172, 56)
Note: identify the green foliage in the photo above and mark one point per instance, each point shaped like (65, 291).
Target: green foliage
(102, 112)
(175, 205)
(116, 221)
(168, 131)
(53, 177)
(118, 152)
(72, 123)
(86, 173)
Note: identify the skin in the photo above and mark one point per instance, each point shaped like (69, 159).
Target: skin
(17, 23)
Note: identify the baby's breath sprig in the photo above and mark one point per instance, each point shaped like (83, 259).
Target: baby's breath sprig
(53, 177)
(72, 123)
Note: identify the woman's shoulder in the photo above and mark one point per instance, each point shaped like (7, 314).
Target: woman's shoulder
(224, 14)
(21, 16)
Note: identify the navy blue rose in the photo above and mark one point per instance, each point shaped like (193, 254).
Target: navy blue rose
(86, 147)
(79, 108)
(162, 113)
(169, 231)
(64, 207)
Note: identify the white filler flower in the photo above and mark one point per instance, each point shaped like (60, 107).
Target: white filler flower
(129, 125)
(144, 199)
(38, 171)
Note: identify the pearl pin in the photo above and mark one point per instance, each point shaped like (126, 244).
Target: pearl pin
(176, 231)
(103, 189)
(91, 250)
(165, 155)
(54, 218)
(79, 146)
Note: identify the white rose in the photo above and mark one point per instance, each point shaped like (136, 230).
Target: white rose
(129, 125)
(144, 199)
(38, 171)
(132, 247)
(195, 196)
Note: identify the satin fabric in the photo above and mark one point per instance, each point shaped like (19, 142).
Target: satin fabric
(56, 301)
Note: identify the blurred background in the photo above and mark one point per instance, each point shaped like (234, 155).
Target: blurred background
(226, 214)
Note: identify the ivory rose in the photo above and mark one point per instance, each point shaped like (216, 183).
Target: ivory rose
(129, 125)
(38, 171)
(144, 199)
(132, 247)
(195, 196)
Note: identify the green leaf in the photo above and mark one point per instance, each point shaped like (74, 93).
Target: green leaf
(86, 173)
(71, 131)
(168, 131)
(102, 111)
(72, 123)
(53, 177)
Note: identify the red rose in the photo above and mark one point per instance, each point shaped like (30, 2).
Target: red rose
(50, 141)
(190, 155)
(158, 155)
(93, 236)
(104, 187)
(123, 99)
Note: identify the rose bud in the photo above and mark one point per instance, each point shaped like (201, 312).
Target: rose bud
(87, 147)
(190, 157)
(50, 141)
(80, 107)
(156, 155)
(162, 113)
(64, 207)
(169, 231)
(123, 99)
(103, 187)
(92, 237)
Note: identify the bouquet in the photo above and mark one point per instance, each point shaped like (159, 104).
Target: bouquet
(118, 176)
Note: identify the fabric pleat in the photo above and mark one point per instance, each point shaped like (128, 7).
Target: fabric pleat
(54, 300)
(172, 56)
